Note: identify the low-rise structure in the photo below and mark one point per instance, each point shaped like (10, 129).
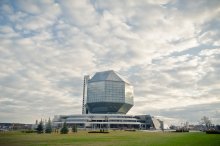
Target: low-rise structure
(108, 121)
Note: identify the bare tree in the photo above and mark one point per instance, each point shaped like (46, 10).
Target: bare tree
(205, 120)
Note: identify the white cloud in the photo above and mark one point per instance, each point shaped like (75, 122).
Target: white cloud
(168, 49)
(80, 13)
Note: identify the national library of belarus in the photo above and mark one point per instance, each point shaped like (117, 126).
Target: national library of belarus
(107, 97)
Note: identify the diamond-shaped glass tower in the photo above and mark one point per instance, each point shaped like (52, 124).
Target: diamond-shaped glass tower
(108, 92)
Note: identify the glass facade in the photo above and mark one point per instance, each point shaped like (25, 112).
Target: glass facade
(108, 93)
(96, 92)
(114, 91)
(129, 94)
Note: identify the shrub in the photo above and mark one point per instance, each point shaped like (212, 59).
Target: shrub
(48, 127)
(40, 128)
(64, 129)
(212, 132)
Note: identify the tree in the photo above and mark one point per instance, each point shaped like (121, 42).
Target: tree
(205, 120)
(64, 129)
(48, 127)
(40, 128)
(74, 128)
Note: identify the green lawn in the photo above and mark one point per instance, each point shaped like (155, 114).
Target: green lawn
(114, 138)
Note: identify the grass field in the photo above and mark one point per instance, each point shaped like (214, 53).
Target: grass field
(114, 138)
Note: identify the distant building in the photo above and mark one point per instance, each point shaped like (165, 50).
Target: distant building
(14, 126)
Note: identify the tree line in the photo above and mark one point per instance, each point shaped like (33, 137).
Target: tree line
(49, 129)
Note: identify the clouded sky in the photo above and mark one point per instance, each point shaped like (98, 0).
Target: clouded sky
(168, 49)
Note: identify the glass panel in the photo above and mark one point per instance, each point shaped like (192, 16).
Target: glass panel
(129, 93)
(114, 91)
(96, 91)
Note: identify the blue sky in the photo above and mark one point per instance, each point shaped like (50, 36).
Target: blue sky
(168, 49)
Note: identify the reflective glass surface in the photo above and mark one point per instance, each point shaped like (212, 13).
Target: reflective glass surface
(114, 91)
(107, 93)
(129, 93)
(96, 91)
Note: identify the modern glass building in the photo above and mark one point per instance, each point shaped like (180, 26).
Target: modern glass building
(107, 97)
(107, 93)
